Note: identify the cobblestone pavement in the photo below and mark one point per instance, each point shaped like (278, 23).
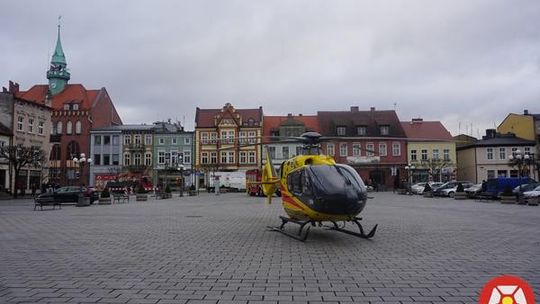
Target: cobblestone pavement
(216, 249)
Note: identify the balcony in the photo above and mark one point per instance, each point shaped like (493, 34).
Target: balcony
(55, 138)
(137, 168)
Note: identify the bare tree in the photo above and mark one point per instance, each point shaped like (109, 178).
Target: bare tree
(435, 165)
(18, 157)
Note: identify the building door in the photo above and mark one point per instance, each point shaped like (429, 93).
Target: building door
(377, 177)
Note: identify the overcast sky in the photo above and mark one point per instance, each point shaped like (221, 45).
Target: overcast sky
(465, 63)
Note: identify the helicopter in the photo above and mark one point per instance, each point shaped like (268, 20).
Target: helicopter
(315, 189)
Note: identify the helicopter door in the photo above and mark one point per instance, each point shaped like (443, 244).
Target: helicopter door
(299, 183)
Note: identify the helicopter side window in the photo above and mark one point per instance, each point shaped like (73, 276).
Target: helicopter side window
(294, 182)
(306, 183)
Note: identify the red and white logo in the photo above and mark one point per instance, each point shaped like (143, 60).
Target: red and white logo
(507, 290)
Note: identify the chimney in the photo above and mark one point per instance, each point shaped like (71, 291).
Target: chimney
(490, 133)
(525, 112)
(372, 109)
(300, 114)
(417, 120)
(289, 115)
(354, 109)
(4, 90)
(13, 87)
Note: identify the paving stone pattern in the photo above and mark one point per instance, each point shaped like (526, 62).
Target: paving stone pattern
(216, 250)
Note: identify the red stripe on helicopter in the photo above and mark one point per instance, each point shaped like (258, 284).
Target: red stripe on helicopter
(290, 200)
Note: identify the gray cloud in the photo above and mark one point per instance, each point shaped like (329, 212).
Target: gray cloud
(460, 62)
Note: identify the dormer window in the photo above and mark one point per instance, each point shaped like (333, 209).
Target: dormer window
(361, 130)
(341, 131)
(385, 130)
(75, 107)
(66, 107)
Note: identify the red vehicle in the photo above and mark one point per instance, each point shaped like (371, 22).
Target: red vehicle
(253, 179)
(253, 183)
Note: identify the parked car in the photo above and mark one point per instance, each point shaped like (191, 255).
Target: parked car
(533, 193)
(519, 190)
(435, 185)
(474, 190)
(449, 188)
(418, 188)
(69, 194)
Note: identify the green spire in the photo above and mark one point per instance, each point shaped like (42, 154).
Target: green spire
(58, 56)
(58, 74)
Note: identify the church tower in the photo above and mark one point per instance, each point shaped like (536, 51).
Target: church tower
(58, 74)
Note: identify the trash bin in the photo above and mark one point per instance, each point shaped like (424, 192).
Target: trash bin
(83, 201)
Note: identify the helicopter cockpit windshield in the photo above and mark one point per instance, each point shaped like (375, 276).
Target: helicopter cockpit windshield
(335, 180)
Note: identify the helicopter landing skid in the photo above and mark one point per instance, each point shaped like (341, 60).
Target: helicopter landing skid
(297, 236)
(357, 222)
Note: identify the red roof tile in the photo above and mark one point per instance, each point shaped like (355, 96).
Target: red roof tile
(311, 122)
(426, 130)
(72, 92)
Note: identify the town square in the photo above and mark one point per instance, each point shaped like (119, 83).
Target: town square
(218, 249)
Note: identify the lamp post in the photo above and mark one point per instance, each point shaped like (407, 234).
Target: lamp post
(523, 161)
(80, 163)
(181, 169)
(409, 168)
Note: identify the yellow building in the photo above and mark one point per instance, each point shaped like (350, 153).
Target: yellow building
(431, 151)
(522, 125)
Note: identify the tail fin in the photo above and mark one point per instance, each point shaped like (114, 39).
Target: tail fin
(269, 178)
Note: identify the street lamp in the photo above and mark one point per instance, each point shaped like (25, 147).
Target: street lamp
(523, 161)
(181, 169)
(409, 168)
(81, 162)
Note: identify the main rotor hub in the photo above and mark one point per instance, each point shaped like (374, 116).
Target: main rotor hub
(311, 138)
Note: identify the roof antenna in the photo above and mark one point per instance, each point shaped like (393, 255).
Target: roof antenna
(395, 106)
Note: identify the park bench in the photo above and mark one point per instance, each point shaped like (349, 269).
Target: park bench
(46, 203)
(120, 198)
(484, 197)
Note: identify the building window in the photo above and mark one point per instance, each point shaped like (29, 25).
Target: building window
(204, 158)
(424, 154)
(97, 159)
(59, 128)
(396, 149)
(383, 149)
(161, 141)
(370, 147)
(115, 159)
(502, 153)
(148, 139)
(385, 130)
(106, 159)
(127, 159)
(78, 127)
(223, 157)
(107, 140)
(30, 125)
(527, 150)
(147, 159)
(446, 154)
(299, 150)
(252, 137)
(127, 139)
(137, 159)
(436, 154)
(343, 149)
(242, 137)
(356, 149)
(20, 121)
(213, 137)
(213, 157)
(330, 149)
(174, 141)
(230, 157)
(490, 174)
(251, 157)
(362, 130)
(341, 131)
(137, 139)
(161, 157)
(285, 152)
(489, 153)
(413, 155)
(69, 127)
(56, 152)
(514, 173)
(187, 157)
(97, 140)
(174, 158)
(243, 157)
(502, 173)
(115, 140)
(272, 152)
(75, 107)
(41, 124)
(66, 107)
(187, 140)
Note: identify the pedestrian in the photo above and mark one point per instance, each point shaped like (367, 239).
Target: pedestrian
(33, 190)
